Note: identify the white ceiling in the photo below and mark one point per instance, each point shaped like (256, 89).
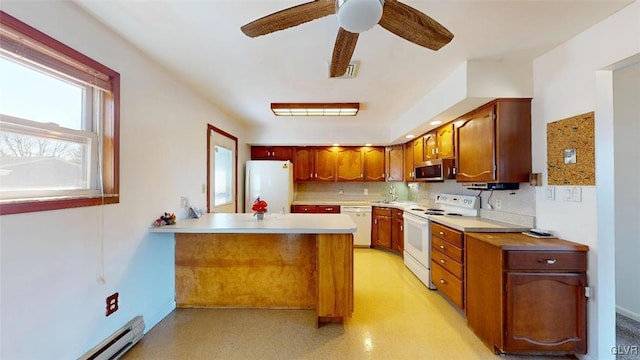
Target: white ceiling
(201, 42)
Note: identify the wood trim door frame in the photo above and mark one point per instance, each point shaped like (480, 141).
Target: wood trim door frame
(210, 129)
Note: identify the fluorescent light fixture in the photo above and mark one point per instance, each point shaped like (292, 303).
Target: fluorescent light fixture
(315, 109)
(368, 144)
(357, 16)
(410, 136)
(435, 122)
(335, 145)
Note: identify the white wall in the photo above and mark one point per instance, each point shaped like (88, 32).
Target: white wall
(626, 102)
(568, 82)
(52, 306)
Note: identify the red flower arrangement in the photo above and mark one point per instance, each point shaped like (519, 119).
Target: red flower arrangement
(259, 206)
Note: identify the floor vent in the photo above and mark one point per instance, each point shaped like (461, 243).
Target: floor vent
(118, 343)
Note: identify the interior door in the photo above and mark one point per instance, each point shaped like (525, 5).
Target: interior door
(222, 171)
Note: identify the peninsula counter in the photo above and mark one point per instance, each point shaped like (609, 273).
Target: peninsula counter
(300, 261)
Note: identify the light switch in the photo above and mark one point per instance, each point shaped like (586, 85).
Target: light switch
(573, 194)
(550, 193)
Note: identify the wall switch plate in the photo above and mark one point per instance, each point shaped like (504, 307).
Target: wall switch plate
(366, 191)
(572, 194)
(340, 192)
(184, 202)
(550, 193)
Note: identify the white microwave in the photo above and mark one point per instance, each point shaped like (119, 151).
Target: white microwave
(435, 170)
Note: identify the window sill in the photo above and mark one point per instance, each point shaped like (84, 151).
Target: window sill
(46, 204)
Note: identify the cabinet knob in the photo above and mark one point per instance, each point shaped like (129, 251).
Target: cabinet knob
(442, 261)
(547, 261)
(441, 233)
(442, 281)
(441, 246)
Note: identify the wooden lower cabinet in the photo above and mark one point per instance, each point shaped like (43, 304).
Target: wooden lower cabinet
(381, 227)
(447, 259)
(314, 209)
(527, 295)
(387, 229)
(397, 231)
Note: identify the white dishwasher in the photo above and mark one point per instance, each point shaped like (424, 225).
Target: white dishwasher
(361, 215)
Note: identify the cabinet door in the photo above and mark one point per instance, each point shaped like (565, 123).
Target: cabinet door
(350, 164)
(311, 209)
(430, 147)
(475, 142)
(418, 155)
(281, 153)
(325, 164)
(546, 312)
(397, 231)
(373, 164)
(304, 164)
(394, 162)
(446, 149)
(408, 162)
(381, 231)
(260, 152)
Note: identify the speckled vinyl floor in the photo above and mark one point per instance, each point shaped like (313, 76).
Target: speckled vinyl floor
(395, 317)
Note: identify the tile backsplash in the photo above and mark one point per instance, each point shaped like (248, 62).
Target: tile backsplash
(516, 206)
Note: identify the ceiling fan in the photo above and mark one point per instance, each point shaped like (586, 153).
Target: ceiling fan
(354, 17)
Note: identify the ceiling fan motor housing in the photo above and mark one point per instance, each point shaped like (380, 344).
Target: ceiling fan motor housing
(358, 16)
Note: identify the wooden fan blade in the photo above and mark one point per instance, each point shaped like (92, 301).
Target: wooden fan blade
(290, 17)
(413, 25)
(342, 52)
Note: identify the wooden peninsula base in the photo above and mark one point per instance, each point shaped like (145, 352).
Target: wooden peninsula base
(292, 261)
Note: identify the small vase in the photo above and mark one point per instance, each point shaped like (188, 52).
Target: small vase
(260, 216)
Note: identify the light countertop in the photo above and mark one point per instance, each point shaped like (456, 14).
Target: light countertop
(477, 224)
(272, 224)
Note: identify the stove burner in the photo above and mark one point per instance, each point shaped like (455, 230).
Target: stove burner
(417, 209)
(453, 214)
(435, 210)
(433, 213)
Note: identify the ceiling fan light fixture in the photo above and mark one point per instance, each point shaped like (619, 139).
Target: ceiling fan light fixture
(358, 16)
(315, 109)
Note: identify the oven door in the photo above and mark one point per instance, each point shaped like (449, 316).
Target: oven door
(416, 238)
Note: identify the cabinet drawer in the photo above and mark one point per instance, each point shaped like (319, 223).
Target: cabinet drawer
(546, 260)
(384, 211)
(305, 208)
(333, 209)
(451, 235)
(446, 262)
(448, 284)
(453, 252)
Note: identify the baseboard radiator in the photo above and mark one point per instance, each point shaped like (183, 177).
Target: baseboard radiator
(118, 343)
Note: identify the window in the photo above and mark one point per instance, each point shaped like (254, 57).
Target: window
(223, 176)
(59, 124)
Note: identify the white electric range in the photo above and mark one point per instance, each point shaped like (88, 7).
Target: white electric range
(417, 237)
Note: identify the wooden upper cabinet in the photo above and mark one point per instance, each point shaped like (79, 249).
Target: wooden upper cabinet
(408, 162)
(493, 143)
(272, 153)
(304, 164)
(430, 146)
(418, 155)
(445, 136)
(373, 164)
(325, 164)
(394, 162)
(350, 164)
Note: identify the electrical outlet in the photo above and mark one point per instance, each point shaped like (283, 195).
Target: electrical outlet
(204, 188)
(112, 304)
(341, 192)
(498, 204)
(366, 191)
(184, 202)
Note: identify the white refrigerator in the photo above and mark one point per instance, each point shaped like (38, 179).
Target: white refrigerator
(272, 181)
